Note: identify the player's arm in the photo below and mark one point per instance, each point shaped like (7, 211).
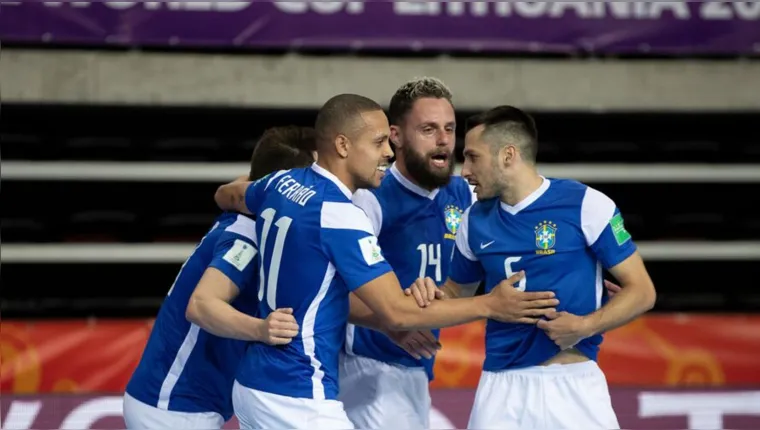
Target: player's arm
(232, 270)
(231, 196)
(397, 311)
(614, 248)
(349, 242)
(637, 296)
(417, 343)
(243, 196)
(360, 314)
(210, 309)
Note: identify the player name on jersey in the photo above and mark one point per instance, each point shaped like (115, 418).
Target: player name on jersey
(293, 191)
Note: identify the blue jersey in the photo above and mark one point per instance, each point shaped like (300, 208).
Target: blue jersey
(184, 368)
(416, 229)
(562, 235)
(316, 247)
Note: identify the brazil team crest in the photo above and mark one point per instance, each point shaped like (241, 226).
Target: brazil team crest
(453, 216)
(546, 237)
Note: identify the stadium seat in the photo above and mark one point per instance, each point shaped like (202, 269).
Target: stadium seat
(697, 226)
(597, 152)
(182, 227)
(187, 149)
(102, 148)
(103, 226)
(750, 229)
(26, 230)
(27, 147)
(749, 152)
(550, 152)
(688, 152)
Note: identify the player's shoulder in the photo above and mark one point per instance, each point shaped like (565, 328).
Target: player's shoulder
(564, 185)
(238, 225)
(343, 214)
(588, 199)
(366, 199)
(482, 208)
(570, 192)
(584, 191)
(460, 189)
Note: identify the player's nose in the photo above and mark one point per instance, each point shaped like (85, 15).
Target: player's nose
(466, 172)
(445, 139)
(387, 152)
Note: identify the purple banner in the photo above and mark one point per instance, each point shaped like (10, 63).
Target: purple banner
(636, 409)
(663, 27)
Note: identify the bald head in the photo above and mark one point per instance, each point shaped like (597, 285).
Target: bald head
(342, 114)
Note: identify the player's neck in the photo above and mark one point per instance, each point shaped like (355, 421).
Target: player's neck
(521, 185)
(401, 167)
(338, 170)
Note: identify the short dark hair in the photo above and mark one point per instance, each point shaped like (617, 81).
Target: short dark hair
(282, 148)
(508, 123)
(339, 114)
(418, 88)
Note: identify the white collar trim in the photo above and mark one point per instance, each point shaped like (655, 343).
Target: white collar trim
(532, 197)
(327, 174)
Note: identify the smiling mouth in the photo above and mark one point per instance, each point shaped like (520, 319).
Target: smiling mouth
(382, 168)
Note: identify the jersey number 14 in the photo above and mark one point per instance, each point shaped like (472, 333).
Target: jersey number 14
(431, 256)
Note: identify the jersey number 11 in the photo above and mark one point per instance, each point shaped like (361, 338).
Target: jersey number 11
(270, 281)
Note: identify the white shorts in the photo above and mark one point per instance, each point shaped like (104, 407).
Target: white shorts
(560, 396)
(138, 415)
(378, 395)
(259, 410)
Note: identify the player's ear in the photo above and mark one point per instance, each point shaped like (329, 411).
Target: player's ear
(341, 145)
(507, 155)
(395, 137)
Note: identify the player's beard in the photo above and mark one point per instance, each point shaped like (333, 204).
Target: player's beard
(418, 167)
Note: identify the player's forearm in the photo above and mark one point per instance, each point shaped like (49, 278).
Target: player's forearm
(624, 307)
(221, 319)
(439, 314)
(231, 197)
(360, 314)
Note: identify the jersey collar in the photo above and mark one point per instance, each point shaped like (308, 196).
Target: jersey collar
(532, 197)
(411, 186)
(324, 172)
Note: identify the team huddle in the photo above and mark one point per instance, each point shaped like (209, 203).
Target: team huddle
(316, 298)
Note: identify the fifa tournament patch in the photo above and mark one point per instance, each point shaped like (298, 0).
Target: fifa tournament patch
(618, 229)
(240, 254)
(371, 250)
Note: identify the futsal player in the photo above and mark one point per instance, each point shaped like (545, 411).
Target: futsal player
(561, 234)
(415, 213)
(185, 376)
(316, 247)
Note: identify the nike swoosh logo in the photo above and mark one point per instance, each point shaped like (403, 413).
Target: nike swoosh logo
(486, 245)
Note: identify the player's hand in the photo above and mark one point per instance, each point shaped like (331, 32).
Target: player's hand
(565, 329)
(424, 292)
(418, 343)
(612, 288)
(279, 328)
(510, 305)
